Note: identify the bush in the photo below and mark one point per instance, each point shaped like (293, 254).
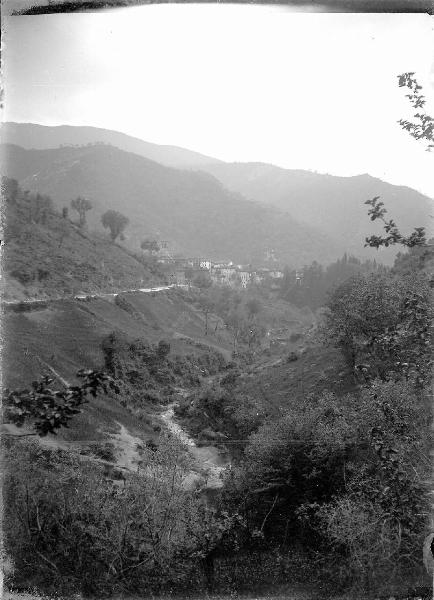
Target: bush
(163, 349)
(104, 450)
(345, 476)
(69, 529)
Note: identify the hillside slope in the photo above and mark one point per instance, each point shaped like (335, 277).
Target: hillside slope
(30, 135)
(334, 205)
(328, 204)
(192, 210)
(56, 258)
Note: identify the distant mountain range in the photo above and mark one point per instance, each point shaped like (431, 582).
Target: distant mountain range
(192, 210)
(334, 205)
(40, 137)
(206, 206)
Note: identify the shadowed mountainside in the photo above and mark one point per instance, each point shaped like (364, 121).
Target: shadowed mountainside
(331, 205)
(190, 209)
(334, 205)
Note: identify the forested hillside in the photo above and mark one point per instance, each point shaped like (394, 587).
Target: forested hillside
(191, 210)
(328, 204)
(334, 205)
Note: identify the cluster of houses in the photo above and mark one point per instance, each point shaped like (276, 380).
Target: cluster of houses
(188, 270)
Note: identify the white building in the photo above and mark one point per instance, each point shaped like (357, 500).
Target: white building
(205, 264)
(245, 277)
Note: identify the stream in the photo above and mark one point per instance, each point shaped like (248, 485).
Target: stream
(209, 460)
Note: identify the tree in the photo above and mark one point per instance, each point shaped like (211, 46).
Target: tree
(235, 323)
(150, 246)
(253, 307)
(393, 235)
(382, 325)
(163, 349)
(50, 409)
(40, 207)
(202, 281)
(188, 273)
(9, 189)
(422, 129)
(115, 221)
(207, 305)
(64, 230)
(81, 205)
(343, 475)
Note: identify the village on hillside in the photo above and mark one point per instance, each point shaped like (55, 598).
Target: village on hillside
(184, 271)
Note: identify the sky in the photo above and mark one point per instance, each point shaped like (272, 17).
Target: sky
(241, 83)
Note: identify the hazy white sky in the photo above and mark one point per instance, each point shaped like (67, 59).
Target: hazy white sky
(300, 90)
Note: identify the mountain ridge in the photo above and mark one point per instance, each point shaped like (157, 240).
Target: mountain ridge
(332, 206)
(191, 209)
(46, 137)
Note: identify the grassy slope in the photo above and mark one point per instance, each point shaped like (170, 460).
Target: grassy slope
(277, 382)
(72, 260)
(67, 336)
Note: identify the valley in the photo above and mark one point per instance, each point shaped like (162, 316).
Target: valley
(224, 424)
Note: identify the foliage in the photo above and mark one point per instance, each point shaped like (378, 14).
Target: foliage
(379, 521)
(74, 259)
(151, 374)
(163, 349)
(220, 412)
(382, 325)
(202, 280)
(40, 206)
(115, 221)
(316, 282)
(9, 189)
(393, 235)
(50, 409)
(335, 464)
(105, 451)
(423, 129)
(150, 246)
(68, 528)
(82, 206)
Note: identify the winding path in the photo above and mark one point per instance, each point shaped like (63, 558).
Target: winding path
(45, 301)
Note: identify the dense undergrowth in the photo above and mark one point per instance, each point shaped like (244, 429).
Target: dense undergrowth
(152, 374)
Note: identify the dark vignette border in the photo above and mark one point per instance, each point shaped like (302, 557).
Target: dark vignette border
(324, 6)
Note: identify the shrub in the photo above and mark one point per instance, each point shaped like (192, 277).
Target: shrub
(106, 451)
(292, 356)
(163, 349)
(67, 528)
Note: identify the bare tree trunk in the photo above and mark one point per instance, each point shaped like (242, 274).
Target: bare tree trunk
(209, 571)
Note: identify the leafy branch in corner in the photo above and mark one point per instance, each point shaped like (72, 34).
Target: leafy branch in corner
(393, 236)
(423, 129)
(49, 409)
